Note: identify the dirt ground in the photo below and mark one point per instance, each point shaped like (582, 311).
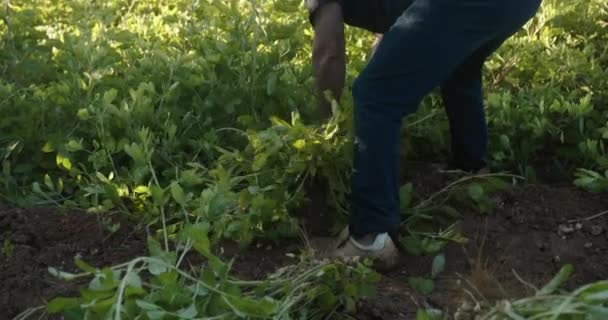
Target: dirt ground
(36, 239)
(535, 231)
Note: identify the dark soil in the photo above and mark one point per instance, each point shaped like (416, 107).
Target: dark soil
(535, 231)
(40, 238)
(315, 214)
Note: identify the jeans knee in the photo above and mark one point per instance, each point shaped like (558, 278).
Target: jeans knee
(392, 99)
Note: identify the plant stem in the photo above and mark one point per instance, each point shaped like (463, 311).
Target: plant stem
(593, 217)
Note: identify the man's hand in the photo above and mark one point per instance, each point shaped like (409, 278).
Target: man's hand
(328, 54)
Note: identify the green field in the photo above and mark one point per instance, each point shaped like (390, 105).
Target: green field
(194, 123)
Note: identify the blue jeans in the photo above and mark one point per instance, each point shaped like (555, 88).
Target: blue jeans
(432, 43)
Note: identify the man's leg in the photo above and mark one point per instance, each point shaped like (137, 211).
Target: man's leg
(462, 94)
(428, 42)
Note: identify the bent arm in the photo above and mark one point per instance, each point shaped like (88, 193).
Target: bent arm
(328, 54)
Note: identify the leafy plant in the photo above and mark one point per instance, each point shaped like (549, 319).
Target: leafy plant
(7, 248)
(591, 180)
(587, 302)
(429, 224)
(155, 287)
(426, 285)
(172, 112)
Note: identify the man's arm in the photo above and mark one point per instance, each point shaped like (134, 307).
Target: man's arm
(328, 54)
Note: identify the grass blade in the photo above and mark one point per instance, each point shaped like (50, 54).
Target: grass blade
(562, 276)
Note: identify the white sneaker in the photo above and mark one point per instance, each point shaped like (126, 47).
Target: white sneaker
(382, 249)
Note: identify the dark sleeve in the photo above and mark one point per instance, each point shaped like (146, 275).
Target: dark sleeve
(314, 5)
(372, 15)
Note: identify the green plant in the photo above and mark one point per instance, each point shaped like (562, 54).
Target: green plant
(155, 287)
(591, 180)
(429, 224)
(104, 93)
(587, 302)
(429, 314)
(7, 248)
(171, 112)
(426, 285)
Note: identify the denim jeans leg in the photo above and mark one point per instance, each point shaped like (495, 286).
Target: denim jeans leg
(462, 95)
(425, 46)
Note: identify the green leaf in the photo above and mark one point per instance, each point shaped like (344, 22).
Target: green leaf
(74, 314)
(421, 285)
(188, 313)
(48, 182)
(109, 96)
(259, 161)
(101, 177)
(475, 191)
(60, 185)
(104, 305)
(169, 258)
(299, 144)
(89, 294)
(178, 194)
(141, 190)
(84, 266)
(154, 247)
(429, 314)
(350, 305)
(133, 279)
(412, 244)
(36, 188)
(158, 195)
(438, 265)
(190, 178)
(198, 235)
(48, 147)
(249, 307)
(83, 114)
(156, 268)
(60, 274)
(106, 279)
(156, 314)
(134, 292)
(405, 196)
(73, 146)
(220, 203)
(208, 277)
(279, 122)
(63, 162)
(136, 152)
(598, 312)
(327, 299)
(61, 304)
(432, 245)
(145, 305)
(601, 296)
(421, 314)
(562, 276)
(168, 278)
